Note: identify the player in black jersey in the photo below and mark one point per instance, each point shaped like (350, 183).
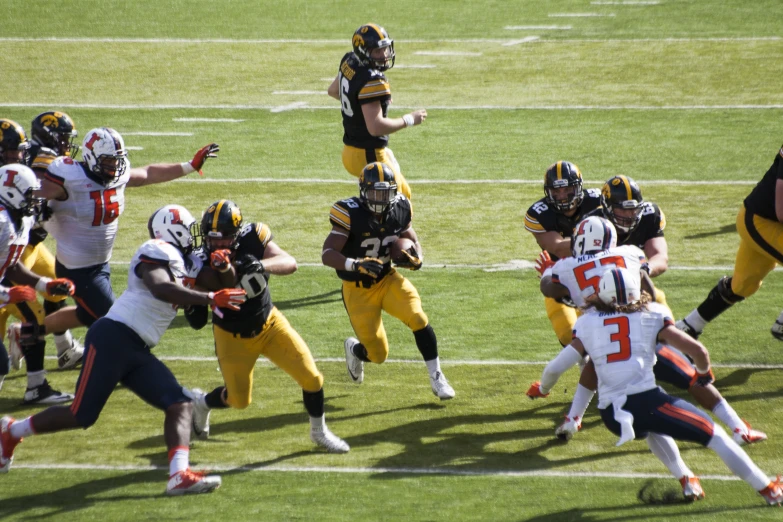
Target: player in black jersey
(364, 93)
(760, 227)
(244, 256)
(358, 247)
(551, 220)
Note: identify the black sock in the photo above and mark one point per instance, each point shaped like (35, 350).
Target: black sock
(213, 398)
(34, 356)
(713, 306)
(427, 343)
(360, 352)
(5, 368)
(314, 402)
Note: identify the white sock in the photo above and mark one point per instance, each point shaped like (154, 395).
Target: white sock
(318, 423)
(581, 401)
(178, 460)
(664, 447)
(63, 341)
(696, 321)
(35, 378)
(780, 318)
(433, 365)
(729, 417)
(737, 460)
(22, 428)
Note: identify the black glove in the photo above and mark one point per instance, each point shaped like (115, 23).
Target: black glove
(197, 316)
(566, 301)
(369, 266)
(249, 264)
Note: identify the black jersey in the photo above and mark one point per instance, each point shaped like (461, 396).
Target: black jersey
(359, 84)
(651, 225)
(540, 217)
(761, 201)
(367, 237)
(253, 313)
(39, 158)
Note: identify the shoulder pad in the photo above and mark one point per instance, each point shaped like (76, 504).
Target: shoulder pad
(157, 251)
(340, 213)
(261, 230)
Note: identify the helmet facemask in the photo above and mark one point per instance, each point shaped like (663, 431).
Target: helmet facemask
(379, 196)
(622, 203)
(373, 47)
(105, 154)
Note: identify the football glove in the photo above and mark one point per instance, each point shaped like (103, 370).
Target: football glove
(543, 262)
(17, 294)
(369, 266)
(230, 298)
(411, 260)
(703, 379)
(534, 392)
(210, 151)
(60, 286)
(220, 260)
(249, 264)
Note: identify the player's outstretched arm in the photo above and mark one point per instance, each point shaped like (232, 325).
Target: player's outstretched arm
(162, 172)
(671, 336)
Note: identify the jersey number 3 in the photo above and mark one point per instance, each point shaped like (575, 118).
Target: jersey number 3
(622, 336)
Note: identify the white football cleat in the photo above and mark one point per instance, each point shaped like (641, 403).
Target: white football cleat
(188, 482)
(773, 493)
(14, 348)
(777, 331)
(200, 421)
(441, 387)
(7, 444)
(569, 428)
(354, 364)
(748, 435)
(71, 356)
(326, 439)
(691, 488)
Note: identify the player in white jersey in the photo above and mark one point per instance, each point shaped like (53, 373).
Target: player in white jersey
(18, 205)
(577, 277)
(620, 332)
(118, 350)
(87, 198)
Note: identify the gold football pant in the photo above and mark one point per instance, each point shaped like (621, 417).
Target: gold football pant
(355, 160)
(395, 295)
(279, 343)
(760, 249)
(563, 318)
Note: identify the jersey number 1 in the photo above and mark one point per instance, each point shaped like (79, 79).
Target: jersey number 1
(106, 210)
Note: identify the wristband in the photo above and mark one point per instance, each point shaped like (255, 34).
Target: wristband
(211, 296)
(409, 121)
(349, 264)
(187, 168)
(40, 286)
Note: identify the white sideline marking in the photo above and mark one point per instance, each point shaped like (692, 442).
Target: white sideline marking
(406, 471)
(537, 28)
(449, 181)
(628, 2)
(216, 120)
(342, 41)
(446, 53)
(152, 133)
(526, 39)
(289, 107)
(414, 66)
(300, 92)
(448, 362)
(580, 15)
(134, 148)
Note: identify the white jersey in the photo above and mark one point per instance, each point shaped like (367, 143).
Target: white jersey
(12, 240)
(622, 347)
(137, 307)
(85, 223)
(581, 275)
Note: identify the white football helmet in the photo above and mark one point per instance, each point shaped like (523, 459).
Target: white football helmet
(104, 152)
(17, 184)
(619, 286)
(593, 234)
(175, 225)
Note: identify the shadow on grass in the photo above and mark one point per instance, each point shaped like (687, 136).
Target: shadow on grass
(726, 229)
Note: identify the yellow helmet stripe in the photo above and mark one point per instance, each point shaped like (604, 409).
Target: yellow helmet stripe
(628, 194)
(217, 213)
(559, 170)
(377, 30)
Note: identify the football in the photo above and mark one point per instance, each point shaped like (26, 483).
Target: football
(397, 248)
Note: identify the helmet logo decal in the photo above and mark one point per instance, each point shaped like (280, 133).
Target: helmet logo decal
(235, 216)
(5, 125)
(9, 182)
(358, 41)
(50, 120)
(89, 144)
(175, 219)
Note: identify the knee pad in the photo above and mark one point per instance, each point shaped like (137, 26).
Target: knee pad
(312, 384)
(726, 293)
(418, 322)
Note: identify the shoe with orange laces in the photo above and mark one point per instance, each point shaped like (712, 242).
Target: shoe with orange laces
(7, 444)
(773, 493)
(189, 481)
(691, 488)
(748, 436)
(569, 428)
(534, 392)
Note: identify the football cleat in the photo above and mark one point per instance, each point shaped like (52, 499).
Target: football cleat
(748, 435)
(534, 392)
(200, 421)
(688, 329)
(326, 439)
(777, 331)
(7, 444)
(44, 394)
(773, 493)
(70, 356)
(14, 347)
(691, 488)
(354, 364)
(568, 429)
(441, 387)
(191, 482)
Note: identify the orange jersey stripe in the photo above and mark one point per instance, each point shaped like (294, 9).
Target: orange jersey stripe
(84, 378)
(84, 305)
(687, 416)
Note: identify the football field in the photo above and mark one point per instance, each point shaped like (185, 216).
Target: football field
(683, 96)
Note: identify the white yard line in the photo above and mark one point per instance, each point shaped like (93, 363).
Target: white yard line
(289, 107)
(358, 470)
(414, 66)
(452, 181)
(446, 53)
(154, 133)
(214, 120)
(581, 15)
(537, 28)
(526, 39)
(628, 2)
(300, 92)
(346, 43)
